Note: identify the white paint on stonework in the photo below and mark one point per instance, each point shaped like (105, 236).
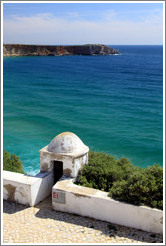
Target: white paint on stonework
(96, 204)
(67, 143)
(67, 148)
(27, 190)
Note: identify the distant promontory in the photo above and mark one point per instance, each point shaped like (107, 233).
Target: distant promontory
(54, 50)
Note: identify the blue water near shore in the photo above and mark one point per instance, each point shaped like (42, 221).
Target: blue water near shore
(113, 103)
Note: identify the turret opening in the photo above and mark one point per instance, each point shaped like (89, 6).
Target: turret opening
(58, 170)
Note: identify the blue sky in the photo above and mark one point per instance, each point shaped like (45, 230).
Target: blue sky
(80, 23)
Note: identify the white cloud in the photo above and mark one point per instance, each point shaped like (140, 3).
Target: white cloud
(48, 29)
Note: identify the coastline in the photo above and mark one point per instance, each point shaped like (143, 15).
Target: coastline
(50, 50)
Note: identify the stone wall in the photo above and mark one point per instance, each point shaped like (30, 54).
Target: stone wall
(71, 198)
(27, 190)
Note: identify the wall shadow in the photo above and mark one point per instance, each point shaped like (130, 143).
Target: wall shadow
(110, 229)
(10, 207)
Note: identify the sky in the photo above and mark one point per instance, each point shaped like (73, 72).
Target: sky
(83, 23)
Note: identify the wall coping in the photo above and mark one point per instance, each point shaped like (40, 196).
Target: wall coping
(23, 178)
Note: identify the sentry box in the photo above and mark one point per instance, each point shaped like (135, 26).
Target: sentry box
(65, 155)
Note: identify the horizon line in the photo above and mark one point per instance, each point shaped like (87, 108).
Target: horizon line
(78, 44)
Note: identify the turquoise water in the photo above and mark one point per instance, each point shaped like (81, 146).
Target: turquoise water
(113, 103)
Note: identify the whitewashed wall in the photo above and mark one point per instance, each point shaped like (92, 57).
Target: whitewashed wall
(68, 197)
(25, 189)
(72, 163)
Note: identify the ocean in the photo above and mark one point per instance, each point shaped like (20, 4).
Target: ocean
(113, 103)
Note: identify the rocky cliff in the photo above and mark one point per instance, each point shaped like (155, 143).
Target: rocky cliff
(48, 50)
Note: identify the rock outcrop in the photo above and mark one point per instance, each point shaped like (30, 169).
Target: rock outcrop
(50, 50)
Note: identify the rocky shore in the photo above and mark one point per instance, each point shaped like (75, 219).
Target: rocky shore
(48, 50)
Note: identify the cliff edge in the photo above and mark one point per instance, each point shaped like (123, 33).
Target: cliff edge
(50, 50)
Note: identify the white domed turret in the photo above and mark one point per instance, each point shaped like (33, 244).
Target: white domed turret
(66, 152)
(67, 142)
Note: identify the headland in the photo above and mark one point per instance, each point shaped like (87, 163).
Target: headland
(54, 50)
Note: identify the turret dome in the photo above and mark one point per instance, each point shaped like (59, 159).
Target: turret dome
(67, 143)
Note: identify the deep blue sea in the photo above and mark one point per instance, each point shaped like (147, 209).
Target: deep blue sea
(113, 103)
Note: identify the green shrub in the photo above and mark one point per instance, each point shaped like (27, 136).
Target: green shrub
(12, 163)
(135, 185)
(103, 170)
(143, 187)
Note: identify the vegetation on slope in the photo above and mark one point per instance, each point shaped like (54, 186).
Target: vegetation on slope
(12, 163)
(123, 181)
